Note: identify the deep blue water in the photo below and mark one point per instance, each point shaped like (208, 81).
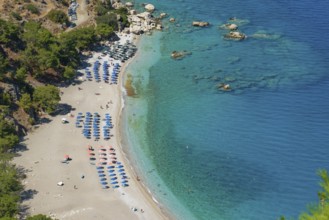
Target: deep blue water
(251, 153)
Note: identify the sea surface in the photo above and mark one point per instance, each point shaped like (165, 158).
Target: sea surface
(249, 153)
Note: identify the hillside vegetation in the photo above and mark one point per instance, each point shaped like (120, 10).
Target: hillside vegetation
(34, 59)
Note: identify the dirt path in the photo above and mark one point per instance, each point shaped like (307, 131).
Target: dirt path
(82, 12)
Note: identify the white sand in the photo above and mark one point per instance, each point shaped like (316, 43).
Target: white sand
(47, 146)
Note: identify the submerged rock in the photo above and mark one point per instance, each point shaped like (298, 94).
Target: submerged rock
(162, 15)
(231, 27)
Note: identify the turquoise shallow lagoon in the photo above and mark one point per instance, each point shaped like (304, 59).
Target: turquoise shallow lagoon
(251, 153)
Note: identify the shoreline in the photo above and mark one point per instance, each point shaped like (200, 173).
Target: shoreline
(142, 186)
(48, 144)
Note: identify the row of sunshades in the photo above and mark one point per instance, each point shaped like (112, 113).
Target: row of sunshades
(106, 74)
(110, 174)
(91, 125)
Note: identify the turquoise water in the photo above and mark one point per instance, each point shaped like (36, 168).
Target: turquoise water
(253, 152)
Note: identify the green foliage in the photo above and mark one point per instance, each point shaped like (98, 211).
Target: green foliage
(5, 98)
(25, 102)
(3, 64)
(37, 36)
(81, 38)
(10, 187)
(32, 8)
(8, 137)
(47, 59)
(39, 217)
(123, 12)
(16, 16)
(21, 74)
(58, 16)
(100, 10)
(9, 33)
(108, 19)
(69, 72)
(104, 31)
(321, 210)
(8, 205)
(46, 98)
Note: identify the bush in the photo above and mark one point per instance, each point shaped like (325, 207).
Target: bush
(16, 16)
(32, 8)
(101, 10)
(108, 19)
(46, 98)
(57, 16)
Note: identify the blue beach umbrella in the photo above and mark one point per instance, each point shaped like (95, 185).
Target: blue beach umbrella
(111, 171)
(120, 166)
(104, 183)
(110, 167)
(113, 178)
(99, 168)
(114, 182)
(112, 174)
(122, 174)
(100, 171)
(105, 187)
(121, 170)
(102, 179)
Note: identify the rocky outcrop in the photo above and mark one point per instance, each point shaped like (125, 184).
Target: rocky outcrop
(172, 19)
(200, 23)
(149, 7)
(143, 22)
(129, 4)
(235, 35)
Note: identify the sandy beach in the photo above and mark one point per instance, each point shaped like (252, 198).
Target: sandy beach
(82, 195)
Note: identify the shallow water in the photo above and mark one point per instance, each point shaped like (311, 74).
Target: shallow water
(253, 152)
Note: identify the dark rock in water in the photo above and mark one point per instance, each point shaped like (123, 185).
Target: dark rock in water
(200, 23)
(180, 54)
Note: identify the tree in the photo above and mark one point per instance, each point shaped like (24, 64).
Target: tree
(8, 137)
(320, 211)
(81, 38)
(69, 72)
(58, 16)
(32, 8)
(104, 31)
(25, 102)
(108, 19)
(9, 33)
(37, 36)
(3, 63)
(21, 74)
(46, 98)
(10, 187)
